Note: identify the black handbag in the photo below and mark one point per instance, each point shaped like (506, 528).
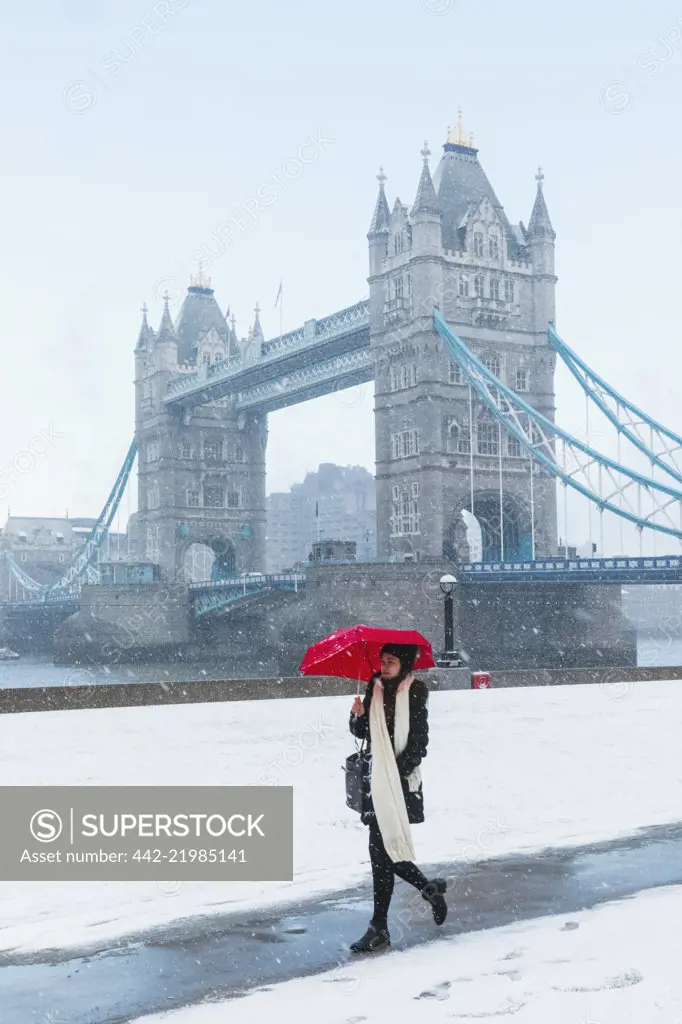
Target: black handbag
(357, 770)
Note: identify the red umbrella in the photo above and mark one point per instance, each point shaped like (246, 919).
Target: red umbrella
(354, 653)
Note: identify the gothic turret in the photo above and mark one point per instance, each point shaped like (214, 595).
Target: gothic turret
(379, 229)
(166, 340)
(198, 314)
(146, 335)
(425, 214)
(541, 237)
(426, 277)
(540, 226)
(426, 201)
(257, 331)
(382, 214)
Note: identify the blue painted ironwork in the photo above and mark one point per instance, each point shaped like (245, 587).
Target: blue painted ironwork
(322, 376)
(210, 383)
(219, 594)
(83, 565)
(537, 435)
(627, 418)
(665, 569)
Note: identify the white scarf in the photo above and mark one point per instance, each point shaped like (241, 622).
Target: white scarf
(387, 793)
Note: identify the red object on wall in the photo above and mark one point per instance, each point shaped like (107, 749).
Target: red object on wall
(480, 680)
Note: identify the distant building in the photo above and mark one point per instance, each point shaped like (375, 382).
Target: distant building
(334, 551)
(44, 547)
(335, 503)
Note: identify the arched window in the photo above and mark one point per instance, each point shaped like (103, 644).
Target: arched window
(492, 363)
(493, 247)
(494, 289)
(457, 439)
(478, 286)
(478, 243)
(464, 286)
(509, 290)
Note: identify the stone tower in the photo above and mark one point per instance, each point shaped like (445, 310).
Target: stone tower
(201, 469)
(437, 447)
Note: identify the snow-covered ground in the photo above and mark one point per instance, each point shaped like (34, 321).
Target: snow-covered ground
(617, 964)
(507, 770)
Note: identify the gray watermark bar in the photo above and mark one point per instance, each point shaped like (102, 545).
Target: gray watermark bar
(146, 833)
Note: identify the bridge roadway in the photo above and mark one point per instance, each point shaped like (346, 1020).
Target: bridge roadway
(283, 372)
(211, 596)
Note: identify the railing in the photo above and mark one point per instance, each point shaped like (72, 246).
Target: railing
(642, 569)
(351, 318)
(42, 602)
(266, 580)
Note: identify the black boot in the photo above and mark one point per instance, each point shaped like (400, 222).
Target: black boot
(374, 940)
(433, 894)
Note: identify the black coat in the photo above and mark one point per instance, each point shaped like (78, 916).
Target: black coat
(417, 740)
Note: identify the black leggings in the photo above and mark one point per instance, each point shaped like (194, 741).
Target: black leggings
(383, 872)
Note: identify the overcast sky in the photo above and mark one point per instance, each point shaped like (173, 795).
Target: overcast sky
(128, 138)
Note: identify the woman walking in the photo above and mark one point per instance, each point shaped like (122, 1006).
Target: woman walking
(393, 719)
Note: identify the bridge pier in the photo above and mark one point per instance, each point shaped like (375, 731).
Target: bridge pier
(499, 625)
(125, 622)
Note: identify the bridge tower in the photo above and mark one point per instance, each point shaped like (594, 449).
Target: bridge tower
(201, 470)
(437, 450)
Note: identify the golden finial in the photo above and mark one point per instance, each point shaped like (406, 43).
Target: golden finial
(381, 177)
(199, 281)
(457, 136)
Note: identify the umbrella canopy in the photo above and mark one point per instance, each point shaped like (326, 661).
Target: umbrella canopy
(354, 653)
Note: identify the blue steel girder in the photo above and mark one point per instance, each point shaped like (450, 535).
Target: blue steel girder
(82, 566)
(317, 342)
(645, 433)
(313, 381)
(537, 436)
(659, 569)
(218, 594)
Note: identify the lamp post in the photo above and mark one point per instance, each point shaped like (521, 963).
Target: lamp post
(447, 586)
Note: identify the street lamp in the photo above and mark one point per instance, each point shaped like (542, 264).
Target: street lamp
(447, 586)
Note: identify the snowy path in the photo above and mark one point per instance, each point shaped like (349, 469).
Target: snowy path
(617, 964)
(209, 958)
(507, 771)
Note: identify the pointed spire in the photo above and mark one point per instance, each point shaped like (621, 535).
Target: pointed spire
(257, 331)
(146, 333)
(426, 200)
(382, 215)
(166, 328)
(540, 225)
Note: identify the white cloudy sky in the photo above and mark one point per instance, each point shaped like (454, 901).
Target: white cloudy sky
(100, 205)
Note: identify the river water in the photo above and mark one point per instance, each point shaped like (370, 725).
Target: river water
(652, 649)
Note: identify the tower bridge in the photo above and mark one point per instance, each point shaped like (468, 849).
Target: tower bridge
(458, 336)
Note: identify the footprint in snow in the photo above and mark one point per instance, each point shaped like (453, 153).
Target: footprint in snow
(439, 992)
(626, 980)
(510, 1010)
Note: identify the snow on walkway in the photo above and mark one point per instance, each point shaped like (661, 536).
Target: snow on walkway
(507, 770)
(614, 965)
